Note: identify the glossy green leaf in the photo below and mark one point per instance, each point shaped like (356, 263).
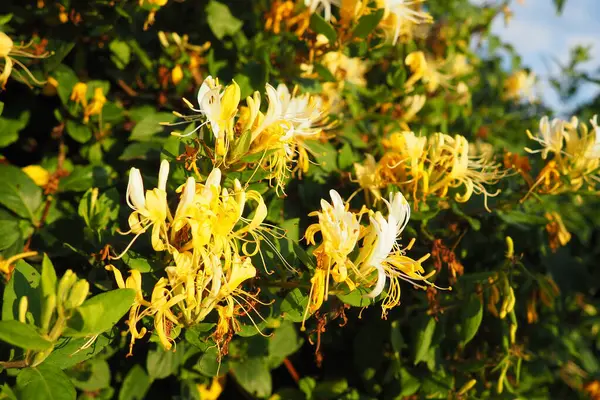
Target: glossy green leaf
(100, 313)
(19, 193)
(23, 336)
(45, 382)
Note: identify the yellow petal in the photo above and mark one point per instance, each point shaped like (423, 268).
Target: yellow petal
(37, 174)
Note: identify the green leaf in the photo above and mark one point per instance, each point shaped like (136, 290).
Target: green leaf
(241, 146)
(9, 232)
(22, 335)
(409, 383)
(48, 277)
(220, 20)
(367, 23)
(45, 382)
(100, 313)
(84, 178)
(79, 132)
(150, 126)
(69, 352)
(283, 342)
(19, 193)
(472, 315)
(356, 297)
(24, 282)
(424, 337)
(142, 151)
(161, 363)
(10, 128)
(208, 364)
(99, 211)
(254, 376)
(136, 384)
(121, 53)
(90, 376)
(319, 25)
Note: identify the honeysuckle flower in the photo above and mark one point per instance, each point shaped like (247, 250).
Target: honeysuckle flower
(96, 105)
(411, 106)
(346, 69)
(575, 151)
(37, 174)
(398, 13)
(424, 166)
(219, 107)
(427, 70)
(558, 234)
(134, 281)
(381, 252)
(79, 94)
(340, 230)
(149, 208)
(212, 391)
(10, 54)
(368, 176)
(520, 86)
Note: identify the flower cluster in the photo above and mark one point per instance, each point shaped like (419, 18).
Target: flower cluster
(575, 155)
(423, 166)
(278, 136)
(209, 242)
(351, 256)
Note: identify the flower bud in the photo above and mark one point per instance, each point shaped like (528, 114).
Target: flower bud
(78, 294)
(511, 247)
(47, 312)
(23, 305)
(64, 286)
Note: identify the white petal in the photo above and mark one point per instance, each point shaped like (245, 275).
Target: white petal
(163, 175)
(380, 283)
(135, 190)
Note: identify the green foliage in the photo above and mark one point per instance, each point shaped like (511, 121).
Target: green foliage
(486, 318)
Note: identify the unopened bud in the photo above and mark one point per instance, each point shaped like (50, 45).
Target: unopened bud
(23, 306)
(47, 311)
(510, 248)
(64, 286)
(513, 333)
(78, 294)
(467, 386)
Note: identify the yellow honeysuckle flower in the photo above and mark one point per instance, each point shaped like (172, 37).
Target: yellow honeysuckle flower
(427, 70)
(10, 54)
(149, 208)
(557, 232)
(134, 281)
(176, 74)
(37, 174)
(212, 391)
(398, 14)
(6, 266)
(346, 69)
(369, 177)
(79, 94)
(219, 107)
(340, 230)
(520, 85)
(424, 166)
(575, 153)
(96, 105)
(381, 252)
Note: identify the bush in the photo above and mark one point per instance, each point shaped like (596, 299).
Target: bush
(364, 204)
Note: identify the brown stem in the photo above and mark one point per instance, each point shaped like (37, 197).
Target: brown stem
(290, 367)
(14, 364)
